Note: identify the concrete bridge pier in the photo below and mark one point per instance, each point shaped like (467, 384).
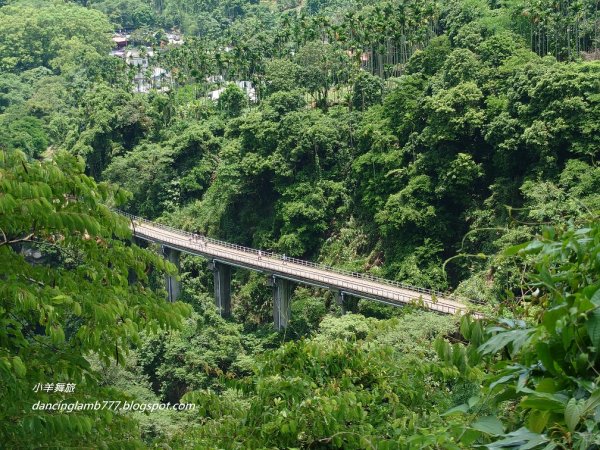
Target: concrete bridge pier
(340, 299)
(222, 281)
(282, 301)
(173, 284)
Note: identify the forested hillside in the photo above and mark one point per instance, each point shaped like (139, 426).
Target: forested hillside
(450, 145)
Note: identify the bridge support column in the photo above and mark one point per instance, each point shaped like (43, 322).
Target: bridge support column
(340, 299)
(173, 285)
(282, 296)
(222, 278)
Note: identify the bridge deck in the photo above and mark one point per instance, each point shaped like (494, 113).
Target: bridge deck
(305, 272)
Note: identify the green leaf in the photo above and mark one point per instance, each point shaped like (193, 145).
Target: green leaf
(547, 385)
(552, 315)
(537, 420)
(515, 337)
(57, 335)
(469, 436)
(489, 425)
(60, 299)
(473, 401)
(510, 251)
(462, 409)
(19, 367)
(573, 412)
(593, 328)
(545, 402)
(593, 402)
(595, 298)
(465, 326)
(521, 438)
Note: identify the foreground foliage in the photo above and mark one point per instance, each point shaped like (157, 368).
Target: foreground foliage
(353, 386)
(543, 371)
(66, 292)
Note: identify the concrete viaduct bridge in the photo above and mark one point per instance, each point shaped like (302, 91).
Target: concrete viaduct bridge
(283, 272)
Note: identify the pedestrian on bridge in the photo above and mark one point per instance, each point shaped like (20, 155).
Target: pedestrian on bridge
(259, 255)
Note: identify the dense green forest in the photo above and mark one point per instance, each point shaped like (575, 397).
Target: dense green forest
(449, 144)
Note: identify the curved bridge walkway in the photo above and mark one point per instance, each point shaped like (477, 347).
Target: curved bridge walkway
(283, 272)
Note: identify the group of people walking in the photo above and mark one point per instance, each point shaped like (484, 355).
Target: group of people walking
(198, 239)
(260, 255)
(201, 240)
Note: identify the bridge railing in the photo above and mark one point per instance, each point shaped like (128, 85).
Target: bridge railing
(267, 254)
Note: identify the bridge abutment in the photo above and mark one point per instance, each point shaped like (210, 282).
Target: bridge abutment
(222, 279)
(173, 284)
(282, 301)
